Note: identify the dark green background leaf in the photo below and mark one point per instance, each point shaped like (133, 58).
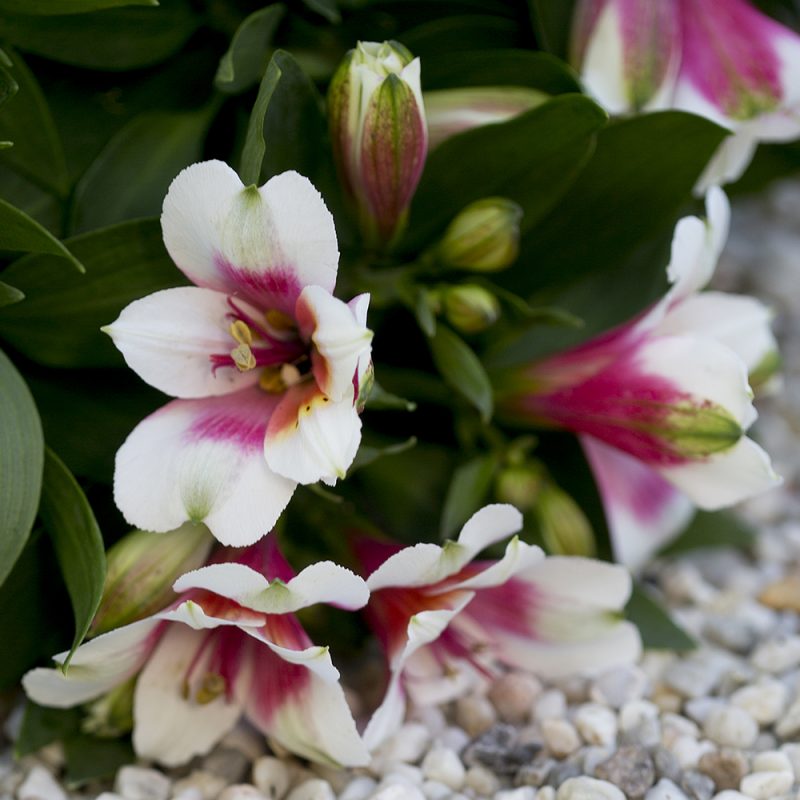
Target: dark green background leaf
(658, 630)
(712, 529)
(65, 6)
(9, 295)
(467, 492)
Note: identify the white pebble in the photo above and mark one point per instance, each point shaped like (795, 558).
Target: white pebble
(406, 773)
(109, 796)
(665, 789)
(40, 785)
(241, 791)
(312, 789)
(359, 788)
(551, 704)
(271, 776)
(434, 790)
(772, 761)
(142, 783)
(513, 695)
(546, 793)
(764, 701)
(698, 708)
(455, 738)
(523, 793)
(588, 789)
(432, 717)
(188, 793)
(792, 751)
(789, 724)
(560, 737)
(729, 794)
(688, 751)
(481, 780)
(777, 655)
(398, 791)
(766, 785)
(618, 686)
(409, 744)
(731, 727)
(443, 765)
(596, 724)
(633, 714)
(475, 714)
(199, 782)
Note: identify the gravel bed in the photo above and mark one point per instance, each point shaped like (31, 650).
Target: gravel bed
(721, 722)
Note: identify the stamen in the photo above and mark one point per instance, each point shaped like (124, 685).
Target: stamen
(279, 320)
(212, 686)
(271, 380)
(243, 357)
(241, 332)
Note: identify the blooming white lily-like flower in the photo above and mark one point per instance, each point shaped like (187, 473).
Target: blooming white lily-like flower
(721, 59)
(230, 646)
(662, 402)
(267, 364)
(447, 621)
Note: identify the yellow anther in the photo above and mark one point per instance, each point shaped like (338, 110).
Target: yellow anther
(241, 332)
(211, 688)
(278, 320)
(243, 357)
(290, 374)
(271, 380)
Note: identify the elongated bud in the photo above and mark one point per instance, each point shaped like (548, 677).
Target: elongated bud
(564, 527)
(627, 51)
(470, 308)
(142, 567)
(452, 111)
(483, 237)
(379, 134)
(519, 485)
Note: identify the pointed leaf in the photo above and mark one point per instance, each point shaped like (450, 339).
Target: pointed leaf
(244, 62)
(712, 529)
(254, 145)
(552, 23)
(19, 232)
(325, 8)
(655, 625)
(462, 369)
(47, 7)
(379, 399)
(467, 492)
(21, 464)
(9, 295)
(68, 519)
(369, 453)
(42, 725)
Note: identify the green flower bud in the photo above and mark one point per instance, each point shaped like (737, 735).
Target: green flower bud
(484, 237)
(470, 308)
(564, 527)
(519, 485)
(142, 567)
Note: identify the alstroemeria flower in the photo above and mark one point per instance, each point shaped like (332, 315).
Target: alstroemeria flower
(267, 363)
(662, 403)
(229, 646)
(447, 621)
(721, 59)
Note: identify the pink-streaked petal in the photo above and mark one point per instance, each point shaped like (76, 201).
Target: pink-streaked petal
(203, 460)
(725, 478)
(262, 244)
(295, 698)
(169, 337)
(341, 341)
(643, 510)
(170, 727)
(96, 667)
(193, 615)
(488, 525)
(311, 437)
(740, 323)
(322, 582)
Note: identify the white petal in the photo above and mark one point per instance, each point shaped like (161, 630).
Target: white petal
(192, 614)
(729, 161)
(341, 341)
(323, 582)
(203, 460)
(643, 510)
(168, 727)
(725, 478)
(96, 667)
(739, 322)
(603, 69)
(419, 565)
(168, 337)
(388, 716)
(518, 556)
(311, 437)
(488, 525)
(265, 245)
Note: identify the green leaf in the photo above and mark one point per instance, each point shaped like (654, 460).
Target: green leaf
(42, 725)
(123, 263)
(114, 39)
(37, 153)
(254, 145)
(244, 62)
(642, 172)
(9, 295)
(532, 159)
(21, 464)
(367, 453)
(552, 21)
(130, 177)
(447, 70)
(325, 8)
(462, 32)
(47, 7)
(711, 529)
(462, 369)
(655, 625)
(379, 399)
(8, 86)
(89, 758)
(468, 489)
(21, 233)
(67, 516)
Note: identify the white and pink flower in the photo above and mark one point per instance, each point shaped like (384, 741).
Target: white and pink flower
(662, 403)
(448, 622)
(721, 59)
(230, 646)
(267, 364)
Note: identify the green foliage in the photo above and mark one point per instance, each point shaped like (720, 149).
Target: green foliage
(123, 263)
(21, 464)
(658, 630)
(467, 492)
(48, 7)
(711, 529)
(254, 144)
(78, 543)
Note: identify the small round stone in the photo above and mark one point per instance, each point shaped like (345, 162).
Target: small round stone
(631, 768)
(39, 784)
(697, 786)
(513, 696)
(588, 789)
(560, 737)
(241, 791)
(205, 785)
(665, 789)
(596, 724)
(398, 791)
(271, 776)
(551, 704)
(777, 655)
(546, 793)
(731, 726)
(359, 788)
(142, 783)
(409, 744)
(481, 780)
(443, 765)
(725, 767)
(764, 701)
(688, 751)
(475, 714)
(312, 789)
(766, 785)
(618, 686)
(434, 790)
(772, 761)
(521, 793)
